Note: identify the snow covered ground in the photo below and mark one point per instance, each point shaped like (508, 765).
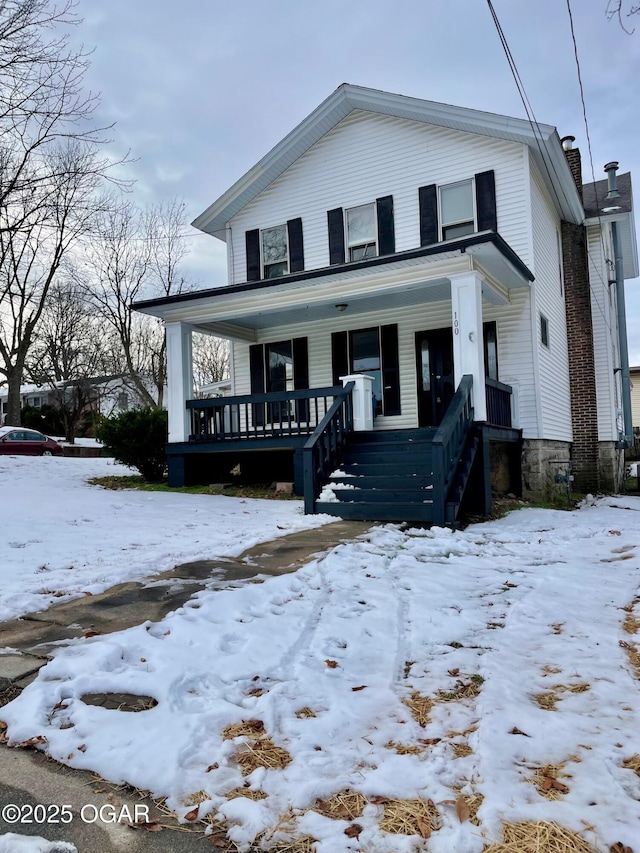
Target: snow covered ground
(60, 537)
(493, 670)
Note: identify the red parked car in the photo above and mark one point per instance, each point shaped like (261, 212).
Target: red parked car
(27, 442)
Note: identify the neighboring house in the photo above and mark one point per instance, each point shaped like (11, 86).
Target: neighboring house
(105, 395)
(417, 298)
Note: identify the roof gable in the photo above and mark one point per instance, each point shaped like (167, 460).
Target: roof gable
(348, 98)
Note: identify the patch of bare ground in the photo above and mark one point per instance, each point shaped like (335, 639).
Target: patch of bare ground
(540, 837)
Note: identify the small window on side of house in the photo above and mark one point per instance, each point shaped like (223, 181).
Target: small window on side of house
(275, 251)
(361, 228)
(457, 210)
(544, 331)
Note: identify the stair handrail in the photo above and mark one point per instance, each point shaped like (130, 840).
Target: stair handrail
(448, 444)
(322, 450)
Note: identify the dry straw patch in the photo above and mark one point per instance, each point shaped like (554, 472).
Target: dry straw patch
(410, 817)
(462, 690)
(542, 837)
(473, 803)
(286, 825)
(546, 779)
(345, 805)
(246, 728)
(420, 707)
(461, 750)
(547, 701)
(249, 793)
(305, 713)
(632, 763)
(261, 753)
(403, 748)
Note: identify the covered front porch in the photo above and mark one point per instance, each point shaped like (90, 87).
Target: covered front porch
(416, 323)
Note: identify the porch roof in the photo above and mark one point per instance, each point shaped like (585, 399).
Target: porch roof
(405, 278)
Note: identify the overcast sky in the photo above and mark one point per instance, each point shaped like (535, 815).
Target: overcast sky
(200, 90)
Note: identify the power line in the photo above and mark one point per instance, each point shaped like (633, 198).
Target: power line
(541, 143)
(535, 126)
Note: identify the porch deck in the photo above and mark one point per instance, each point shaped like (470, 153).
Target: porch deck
(306, 435)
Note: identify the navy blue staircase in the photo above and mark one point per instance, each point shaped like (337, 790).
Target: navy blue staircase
(413, 475)
(383, 476)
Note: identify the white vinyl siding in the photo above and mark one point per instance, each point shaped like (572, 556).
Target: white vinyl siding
(368, 156)
(605, 334)
(547, 295)
(513, 352)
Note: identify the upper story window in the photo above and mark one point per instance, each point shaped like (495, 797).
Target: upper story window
(457, 210)
(362, 232)
(275, 251)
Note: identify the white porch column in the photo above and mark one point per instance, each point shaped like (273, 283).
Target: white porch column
(468, 343)
(179, 379)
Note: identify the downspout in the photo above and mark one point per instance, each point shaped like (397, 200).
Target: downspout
(626, 440)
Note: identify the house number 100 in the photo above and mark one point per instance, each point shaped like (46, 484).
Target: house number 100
(456, 325)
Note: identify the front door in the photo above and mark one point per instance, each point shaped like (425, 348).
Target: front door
(436, 385)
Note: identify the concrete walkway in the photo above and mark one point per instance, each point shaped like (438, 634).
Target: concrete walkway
(27, 778)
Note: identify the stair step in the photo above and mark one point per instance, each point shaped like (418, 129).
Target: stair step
(405, 468)
(388, 481)
(391, 435)
(366, 447)
(378, 512)
(416, 460)
(383, 495)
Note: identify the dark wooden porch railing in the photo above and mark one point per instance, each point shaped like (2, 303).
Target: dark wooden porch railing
(255, 416)
(448, 444)
(498, 403)
(322, 452)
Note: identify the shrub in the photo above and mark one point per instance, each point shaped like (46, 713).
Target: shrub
(47, 419)
(137, 438)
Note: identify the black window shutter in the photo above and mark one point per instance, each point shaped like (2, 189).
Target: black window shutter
(428, 203)
(386, 228)
(335, 220)
(252, 239)
(256, 371)
(339, 356)
(299, 350)
(296, 247)
(486, 201)
(390, 369)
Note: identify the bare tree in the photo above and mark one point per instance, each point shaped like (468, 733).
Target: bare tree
(70, 349)
(138, 253)
(210, 359)
(618, 10)
(116, 269)
(31, 254)
(50, 168)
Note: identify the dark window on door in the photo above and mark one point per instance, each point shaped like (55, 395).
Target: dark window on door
(374, 352)
(365, 357)
(491, 350)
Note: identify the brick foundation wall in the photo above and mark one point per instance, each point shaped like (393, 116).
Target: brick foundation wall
(582, 376)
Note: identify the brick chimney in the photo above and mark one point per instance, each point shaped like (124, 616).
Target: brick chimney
(574, 159)
(582, 379)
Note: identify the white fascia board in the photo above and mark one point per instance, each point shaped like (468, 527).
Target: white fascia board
(348, 98)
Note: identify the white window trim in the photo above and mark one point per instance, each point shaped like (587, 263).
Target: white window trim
(263, 265)
(348, 245)
(441, 225)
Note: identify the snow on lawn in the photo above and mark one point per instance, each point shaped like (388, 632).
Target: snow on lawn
(60, 537)
(514, 639)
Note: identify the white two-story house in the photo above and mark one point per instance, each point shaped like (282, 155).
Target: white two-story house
(418, 308)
